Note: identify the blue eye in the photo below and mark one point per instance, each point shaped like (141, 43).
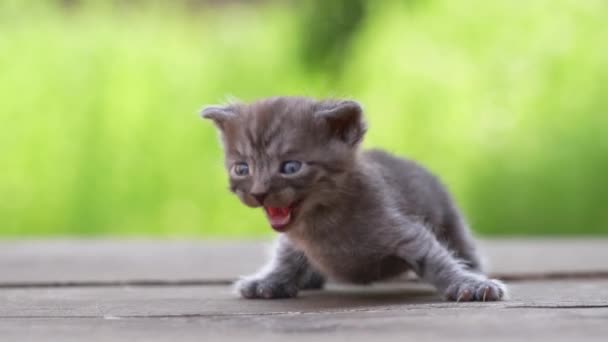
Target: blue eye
(241, 169)
(291, 167)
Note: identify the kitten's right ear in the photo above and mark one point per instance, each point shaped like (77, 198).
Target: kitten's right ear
(220, 115)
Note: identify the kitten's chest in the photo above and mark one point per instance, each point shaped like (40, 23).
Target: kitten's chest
(346, 258)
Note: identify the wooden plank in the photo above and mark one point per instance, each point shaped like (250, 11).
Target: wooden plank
(538, 311)
(127, 260)
(117, 260)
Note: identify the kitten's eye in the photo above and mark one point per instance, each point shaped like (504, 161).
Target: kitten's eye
(290, 167)
(241, 169)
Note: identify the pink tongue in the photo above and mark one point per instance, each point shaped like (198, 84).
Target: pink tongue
(278, 212)
(278, 217)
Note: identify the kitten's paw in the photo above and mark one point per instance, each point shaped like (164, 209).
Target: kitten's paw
(265, 289)
(473, 289)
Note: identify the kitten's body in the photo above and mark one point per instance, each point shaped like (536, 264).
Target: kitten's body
(358, 216)
(383, 193)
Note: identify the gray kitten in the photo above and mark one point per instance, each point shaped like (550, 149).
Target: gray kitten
(343, 213)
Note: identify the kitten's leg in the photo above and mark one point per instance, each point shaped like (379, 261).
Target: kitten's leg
(287, 271)
(432, 261)
(460, 240)
(312, 279)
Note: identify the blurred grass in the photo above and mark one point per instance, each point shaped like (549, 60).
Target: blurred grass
(99, 132)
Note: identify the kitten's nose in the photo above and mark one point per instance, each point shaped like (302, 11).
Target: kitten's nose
(259, 196)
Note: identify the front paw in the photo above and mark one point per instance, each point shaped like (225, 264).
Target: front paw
(265, 289)
(475, 289)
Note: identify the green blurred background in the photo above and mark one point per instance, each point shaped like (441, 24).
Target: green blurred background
(100, 135)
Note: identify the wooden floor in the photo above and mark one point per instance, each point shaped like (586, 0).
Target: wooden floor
(101, 290)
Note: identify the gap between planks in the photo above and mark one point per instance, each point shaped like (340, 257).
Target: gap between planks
(509, 277)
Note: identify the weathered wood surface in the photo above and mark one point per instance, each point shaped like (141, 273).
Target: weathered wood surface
(79, 290)
(110, 260)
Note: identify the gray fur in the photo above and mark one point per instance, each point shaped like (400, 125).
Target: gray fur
(361, 216)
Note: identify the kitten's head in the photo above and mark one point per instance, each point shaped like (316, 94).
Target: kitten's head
(288, 154)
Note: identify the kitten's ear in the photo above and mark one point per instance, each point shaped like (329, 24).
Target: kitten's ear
(220, 115)
(345, 118)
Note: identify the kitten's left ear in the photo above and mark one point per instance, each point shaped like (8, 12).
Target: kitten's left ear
(220, 115)
(345, 119)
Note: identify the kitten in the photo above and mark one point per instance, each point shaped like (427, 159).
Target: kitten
(343, 213)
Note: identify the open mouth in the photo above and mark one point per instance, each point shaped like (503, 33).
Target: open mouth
(279, 218)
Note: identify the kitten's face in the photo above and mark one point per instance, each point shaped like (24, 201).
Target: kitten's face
(287, 154)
